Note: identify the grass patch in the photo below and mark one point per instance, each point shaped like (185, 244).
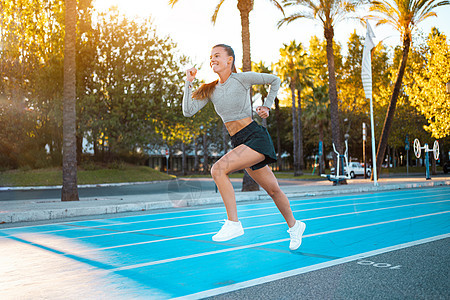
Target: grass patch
(398, 170)
(49, 177)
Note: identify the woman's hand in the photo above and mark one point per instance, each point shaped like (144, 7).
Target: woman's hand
(262, 111)
(190, 74)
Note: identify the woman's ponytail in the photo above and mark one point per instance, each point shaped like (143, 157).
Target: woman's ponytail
(205, 90)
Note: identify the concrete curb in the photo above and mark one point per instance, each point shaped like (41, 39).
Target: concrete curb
(34, 214)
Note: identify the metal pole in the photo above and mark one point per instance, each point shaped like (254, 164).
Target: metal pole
(374, 154)
(167, 161)
(427, 163)
(407, 162)
(364, 150)
(167, 166)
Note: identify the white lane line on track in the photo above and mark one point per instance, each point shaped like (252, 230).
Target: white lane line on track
(251, 227)
(249, 217)
(282, 275)
(168, 260)
(365, 196)
(272, 206)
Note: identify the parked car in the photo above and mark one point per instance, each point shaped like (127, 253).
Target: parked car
(355, 169)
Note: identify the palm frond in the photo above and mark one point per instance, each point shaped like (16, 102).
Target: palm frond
(425, 10)
(172, 2)
(291, 18)
(216, 11)
(278, 5)
(406, 14)
(387, 14)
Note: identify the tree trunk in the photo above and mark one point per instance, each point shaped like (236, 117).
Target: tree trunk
(301, 163)
(321, 160)
(245, 7)
(277, 117)
(95, 144)
(79, 139)
(183, 159)
(205, 153)
(196, 159)
(294, 131)
(69, 189)
(392, 105)
(332, 93)
(433, 164)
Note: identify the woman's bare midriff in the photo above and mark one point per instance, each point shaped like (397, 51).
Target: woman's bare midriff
(234, 127)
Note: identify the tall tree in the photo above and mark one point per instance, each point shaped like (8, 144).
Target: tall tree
(403, 16)
(292, 70)
(244, 7)
(317, 112)
(69, 188)
(427, 89)
(328, 13)
(136, 88)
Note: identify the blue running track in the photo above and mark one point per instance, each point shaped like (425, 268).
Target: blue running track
(171, 254)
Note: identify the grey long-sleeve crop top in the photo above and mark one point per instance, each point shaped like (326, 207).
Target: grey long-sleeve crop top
(231, 99)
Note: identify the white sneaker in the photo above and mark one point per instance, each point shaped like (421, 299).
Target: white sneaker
(296, 233)
(229, 231)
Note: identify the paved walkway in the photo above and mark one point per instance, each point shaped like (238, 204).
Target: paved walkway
(46, 209)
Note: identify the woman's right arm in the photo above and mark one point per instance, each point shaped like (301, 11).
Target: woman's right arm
(191, 106)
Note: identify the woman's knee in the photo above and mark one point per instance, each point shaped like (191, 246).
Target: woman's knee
(217, 170)
(274, 191)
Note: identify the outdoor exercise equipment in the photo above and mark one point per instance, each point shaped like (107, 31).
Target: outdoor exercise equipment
(338, 178)
(418, 151)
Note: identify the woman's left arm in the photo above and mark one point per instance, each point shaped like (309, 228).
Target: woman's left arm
(252, 78)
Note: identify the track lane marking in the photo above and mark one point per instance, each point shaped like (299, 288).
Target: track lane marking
(253, 282)
(247, 217)
(168, 260)
(372, 194)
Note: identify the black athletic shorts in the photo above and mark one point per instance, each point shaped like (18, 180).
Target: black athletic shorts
(256, 137)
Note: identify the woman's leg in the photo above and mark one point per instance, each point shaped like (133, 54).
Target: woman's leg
(267, 180)
(237, 159)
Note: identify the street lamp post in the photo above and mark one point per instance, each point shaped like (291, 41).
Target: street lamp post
(364, 149)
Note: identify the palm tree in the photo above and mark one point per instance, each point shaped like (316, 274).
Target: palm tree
(69, 188)
(244, 7)
(403, 15)
(328, 13)
(317, 112)
(261, 89)
(290, 68)
(304, 80)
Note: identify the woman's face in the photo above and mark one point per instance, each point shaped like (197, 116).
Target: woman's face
(220, 60)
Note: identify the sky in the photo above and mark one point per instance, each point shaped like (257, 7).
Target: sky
(189, 25)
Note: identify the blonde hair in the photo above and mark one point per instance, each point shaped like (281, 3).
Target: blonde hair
(206, 89)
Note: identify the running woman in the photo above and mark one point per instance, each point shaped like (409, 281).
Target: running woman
(252, 146)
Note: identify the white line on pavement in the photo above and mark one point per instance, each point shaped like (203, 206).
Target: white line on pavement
(163, 261)
(282, 275)
(253, 227)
